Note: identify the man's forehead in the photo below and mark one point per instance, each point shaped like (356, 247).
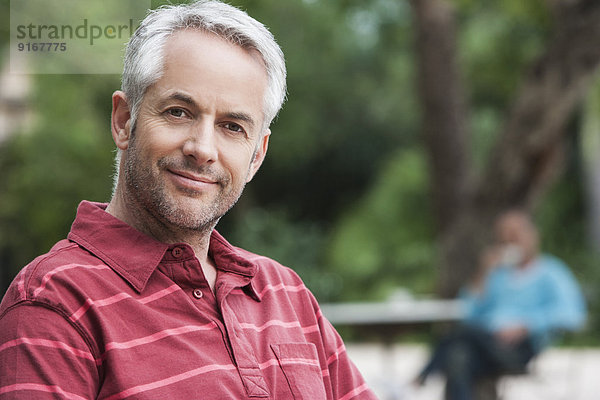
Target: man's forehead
(193, 35)
(198, 48)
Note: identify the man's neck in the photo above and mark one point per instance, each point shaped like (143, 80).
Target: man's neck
(136, 216)
(528, 262)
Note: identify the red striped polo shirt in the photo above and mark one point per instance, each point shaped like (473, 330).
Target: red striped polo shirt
(110, 313)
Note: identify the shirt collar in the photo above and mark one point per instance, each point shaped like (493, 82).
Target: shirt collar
(233, 260)
(130, 253)
(134, 255)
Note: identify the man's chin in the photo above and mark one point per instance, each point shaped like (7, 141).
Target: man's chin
(188, 221)
(192, 213)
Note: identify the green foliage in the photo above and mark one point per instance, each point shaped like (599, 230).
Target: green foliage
(386, 239)
(65, 158)
(498, 40)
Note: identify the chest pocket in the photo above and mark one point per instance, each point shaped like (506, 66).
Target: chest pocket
(300, 365)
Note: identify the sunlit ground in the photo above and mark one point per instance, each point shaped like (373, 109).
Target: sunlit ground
(558, 374)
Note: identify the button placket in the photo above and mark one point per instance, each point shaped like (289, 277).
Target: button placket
(248, 368)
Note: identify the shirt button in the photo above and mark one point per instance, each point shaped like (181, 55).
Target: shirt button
(197, 293)
(177, 252)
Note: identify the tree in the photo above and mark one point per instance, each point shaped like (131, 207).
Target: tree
(528, 149)
(590, 149)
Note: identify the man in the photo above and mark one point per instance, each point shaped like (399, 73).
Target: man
(144, 299)
(517, 302)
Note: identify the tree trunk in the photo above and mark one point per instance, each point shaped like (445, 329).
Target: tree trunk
(528, 153)
(444, 118)
(590, 151)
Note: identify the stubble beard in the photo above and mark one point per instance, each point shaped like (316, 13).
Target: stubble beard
(151, 193)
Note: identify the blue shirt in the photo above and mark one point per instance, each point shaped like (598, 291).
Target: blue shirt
(544, 297)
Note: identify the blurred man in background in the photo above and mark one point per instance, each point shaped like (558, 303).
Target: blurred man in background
(517, 302)
(145, 298)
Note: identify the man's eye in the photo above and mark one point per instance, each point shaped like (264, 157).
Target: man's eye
(233, 127)
(176, 112)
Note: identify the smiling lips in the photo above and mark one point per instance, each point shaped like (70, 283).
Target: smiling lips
(191, 181)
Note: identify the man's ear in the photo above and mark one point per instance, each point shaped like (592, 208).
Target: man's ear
(259, 155)
(121, 120)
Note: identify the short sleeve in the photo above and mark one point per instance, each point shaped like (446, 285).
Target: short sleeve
(44, 356)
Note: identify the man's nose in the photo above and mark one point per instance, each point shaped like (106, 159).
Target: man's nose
(201, 143)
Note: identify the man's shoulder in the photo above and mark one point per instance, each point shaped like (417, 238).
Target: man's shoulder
(552, 263)
(277, 284)
(554, 269)
(51, 276)
(269, 268)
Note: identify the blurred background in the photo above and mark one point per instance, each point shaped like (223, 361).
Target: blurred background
(409, 126)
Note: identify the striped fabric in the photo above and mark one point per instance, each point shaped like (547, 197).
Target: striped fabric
(110, 313)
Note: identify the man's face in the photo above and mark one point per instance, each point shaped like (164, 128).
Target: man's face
(515, 230)
(198, 137)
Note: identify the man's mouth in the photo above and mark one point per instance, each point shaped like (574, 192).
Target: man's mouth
(190, 180)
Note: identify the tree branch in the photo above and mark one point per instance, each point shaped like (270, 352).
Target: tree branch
(535, 128)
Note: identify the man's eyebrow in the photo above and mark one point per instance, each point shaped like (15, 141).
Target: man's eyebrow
(240, 116)
(181, 97)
